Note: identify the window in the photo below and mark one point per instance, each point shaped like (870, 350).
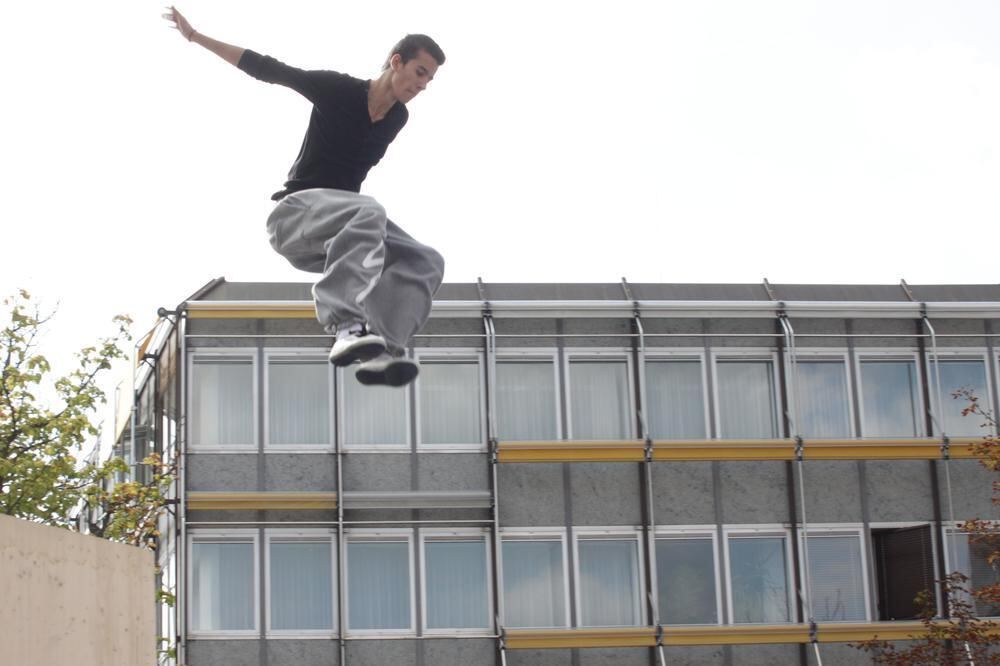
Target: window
(450, 400)
(534, 581)
(379, 582)
(224, 583)
(456, 588)
(609, 581)
(372, 417)
(301, 579)
(746, 398)
(299, 395)
(675, 398)
(758, 577)
(686, 579)
(526, 399)
(821, 392)
(836, 577)
(970, 555)
(599, 398)
(890, 404)
(222, 401)
(904, 567)
(957, 373)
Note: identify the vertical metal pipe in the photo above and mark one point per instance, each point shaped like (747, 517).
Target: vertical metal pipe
(341, 546)
(182, 442)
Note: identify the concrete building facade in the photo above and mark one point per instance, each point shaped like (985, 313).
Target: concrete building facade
(582, 474)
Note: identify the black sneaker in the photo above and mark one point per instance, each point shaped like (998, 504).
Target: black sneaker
(386, 370)
(354, 346)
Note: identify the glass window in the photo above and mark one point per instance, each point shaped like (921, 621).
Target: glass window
(533, 583)
(456, 585)
(822, 395)
(301, 585)
(962, 374)
(970, 556)
(609, 582)
(526, 400)
(675, 399)
(599, 399)
(891, 403)
(904, 567)
(298, 400)
(685, 576)
(378, 585)
(746, 399)
(372, 415)
(222, 585)
(836, 578)
(222, 400)
(758, 579)
(450, 402)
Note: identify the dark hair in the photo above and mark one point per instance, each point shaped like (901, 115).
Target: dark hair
(409, 46)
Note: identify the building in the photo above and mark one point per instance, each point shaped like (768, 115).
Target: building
(582, 474)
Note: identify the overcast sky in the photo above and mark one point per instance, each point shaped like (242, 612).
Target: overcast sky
(564, 140)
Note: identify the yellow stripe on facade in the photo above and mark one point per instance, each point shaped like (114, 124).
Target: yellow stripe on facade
(573, 451)
(522, 639)
(224, 501)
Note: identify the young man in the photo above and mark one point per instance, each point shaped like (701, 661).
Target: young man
(378, 282)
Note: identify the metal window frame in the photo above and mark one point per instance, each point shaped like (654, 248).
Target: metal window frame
(748, 354)
(599, 355)
(666, 355)
(829, 355)
(822, 530)
(456, 355)
(237, 352)
(730, 532)
(319, 357)
(946, 354)
(711, 533)
(309, 535)
(533, 355)
(549, 534)
(910, 354)
(341, 425)
(251, 538)
(379, 535)
(633, 534)
(457, 534)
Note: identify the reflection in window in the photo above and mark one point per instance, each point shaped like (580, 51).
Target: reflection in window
(891, 405)
(685, 575)
(599, 399)
(378, 585)
(372, 415)
(298, 399)
(449, 402)
(835, 577)
(533, 583)
(526, 400)
(456, 586)
(675, 399)
(609, 582)
(759, 579)
(222, 585)
(970, 555)
(746, 399)
(822, 399)
(301, 585)
(962, 374)
(222, 400)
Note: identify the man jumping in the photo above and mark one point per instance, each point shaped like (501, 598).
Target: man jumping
(378, 282)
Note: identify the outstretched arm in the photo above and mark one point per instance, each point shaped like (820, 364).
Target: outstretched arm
(227, 52)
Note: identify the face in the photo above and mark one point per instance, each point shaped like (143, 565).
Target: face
(410, 78)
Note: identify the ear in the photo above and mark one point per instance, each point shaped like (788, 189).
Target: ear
(396, 62)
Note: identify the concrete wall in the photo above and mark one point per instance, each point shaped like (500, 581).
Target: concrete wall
(73, 599)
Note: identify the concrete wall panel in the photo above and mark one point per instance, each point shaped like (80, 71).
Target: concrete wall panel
(605, 494)
(538, 658)
(838, 654)
(652, 326)
(754, 492)
(614, 657)
(235, 472)
(898, 490)
(223, 653)
(768, 327)
(971, 490)
(765, 655)
(877, 327)
(313, 472)
(382, 653)
(832, 491)
(531, 495)
(457, 471)
(682, 493)
(302, 653)
(460, 651)
(712, 655)
(378, 471)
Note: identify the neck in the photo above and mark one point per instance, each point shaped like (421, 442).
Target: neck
(380, 95)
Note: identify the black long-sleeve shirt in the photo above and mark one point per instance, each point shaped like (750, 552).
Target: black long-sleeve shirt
(341, 143)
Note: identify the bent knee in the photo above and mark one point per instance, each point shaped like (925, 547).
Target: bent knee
(435, 263)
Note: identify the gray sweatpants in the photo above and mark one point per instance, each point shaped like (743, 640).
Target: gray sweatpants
(373, 271)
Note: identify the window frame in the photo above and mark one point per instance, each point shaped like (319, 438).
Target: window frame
(612, 534)
(679, 354)
(747, 354)
(536, 354)
(341, 427)
(451, 355)
(948, 529)
(765, 530)
(311, 535)
(890, 354)
(456, 534)
(537, 534)
(839, 355)
(841, 529)
(192, 445)
(250, 536)
(870, 555)
(305, 353)
(695, 532)
(962, 354)
(377, 535)
(600, 354)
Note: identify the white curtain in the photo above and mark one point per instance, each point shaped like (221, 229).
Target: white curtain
(222, 401)
(301, 585)
(456, 584)
(759, 580)
(955, 375)
(372, 415)
(746, 399)
(891, 399)
(526, 400)
(835, 577)
(609, 583)
(685, 577)
(449, 403)
(599, 399)
(223, 586)
(533, 584)
(298, 396)
(675, 399)
(822, 396)
(378, 583)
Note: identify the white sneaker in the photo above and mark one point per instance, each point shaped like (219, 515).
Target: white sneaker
(387, 370)
(355, 344)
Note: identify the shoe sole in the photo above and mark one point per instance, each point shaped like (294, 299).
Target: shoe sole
(395, 374)
(361, 352)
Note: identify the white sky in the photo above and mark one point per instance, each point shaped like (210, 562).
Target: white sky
(845, 141)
